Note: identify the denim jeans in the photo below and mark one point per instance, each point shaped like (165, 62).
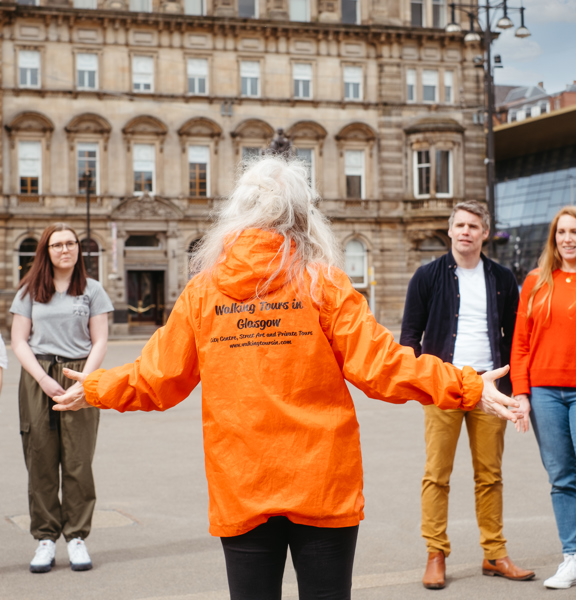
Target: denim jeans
(323, 559)
(553, 417)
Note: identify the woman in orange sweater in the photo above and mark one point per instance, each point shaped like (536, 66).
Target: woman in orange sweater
(274, 328)
(543, 373)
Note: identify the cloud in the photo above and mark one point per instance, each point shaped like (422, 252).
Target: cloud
(515, 76)
(549, 11)
(513, 48)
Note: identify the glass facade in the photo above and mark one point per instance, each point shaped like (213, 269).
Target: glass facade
(529, 192)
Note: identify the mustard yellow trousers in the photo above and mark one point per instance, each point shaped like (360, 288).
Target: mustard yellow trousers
(486, 434)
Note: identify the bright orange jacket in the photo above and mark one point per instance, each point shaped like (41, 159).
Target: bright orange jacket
(543, 346)
(280, 430)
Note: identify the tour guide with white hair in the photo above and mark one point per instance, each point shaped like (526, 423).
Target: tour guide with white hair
(273, 328)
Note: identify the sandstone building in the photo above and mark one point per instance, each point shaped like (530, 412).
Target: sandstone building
(151, 104)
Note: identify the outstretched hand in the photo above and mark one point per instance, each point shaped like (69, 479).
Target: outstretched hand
(73, 398)
(493, 402)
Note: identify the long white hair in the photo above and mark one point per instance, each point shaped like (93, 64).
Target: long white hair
(274, 194)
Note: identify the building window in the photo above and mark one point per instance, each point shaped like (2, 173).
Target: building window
(543, 108)
(91, 4)
(87, 164)
(195, 7)
(143, 74)
(422, 175)
(87, 71)
(29, 69)
(354, 171)
(248, 9)
(144, 168)
(92, 265)
(141, 5)
(430, 86)
(356, 263)
(411, 85)
(30, 167)
(417, 13)
(28, 2)
(306, 155)
(512, 116)
(449, 87)
(353, 83)
(351, 11)
(299, 10)
(442, 168)
(438, 13)
(250, 152)
(250, 76)
(443, 173)
(199, 171)
(26, 254)
(197, 76)
(302, 73)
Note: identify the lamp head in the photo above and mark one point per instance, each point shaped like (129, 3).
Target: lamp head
(471, 37)
(504, 23)
(453, 28)
(522, 32)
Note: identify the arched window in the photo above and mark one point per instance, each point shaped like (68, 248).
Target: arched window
(356, 259)
(92, 265)
(26, 254)
(431, 248)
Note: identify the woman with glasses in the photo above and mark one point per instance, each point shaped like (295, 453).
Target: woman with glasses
(60, 320)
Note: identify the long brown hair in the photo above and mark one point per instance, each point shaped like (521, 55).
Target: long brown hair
(39, 281)
(549, 261)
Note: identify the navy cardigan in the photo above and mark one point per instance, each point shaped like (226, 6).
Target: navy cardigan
(433, 303)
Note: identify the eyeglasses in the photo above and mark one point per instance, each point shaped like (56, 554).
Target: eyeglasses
(60, 246)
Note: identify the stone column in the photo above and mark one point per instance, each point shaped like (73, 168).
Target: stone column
(329, 11)
(278, 10)
(173, 263)
(225, 8)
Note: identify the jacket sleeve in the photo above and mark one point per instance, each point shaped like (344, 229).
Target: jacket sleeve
(164, 375)
(384, 370)
(520, 359)
(415, 313)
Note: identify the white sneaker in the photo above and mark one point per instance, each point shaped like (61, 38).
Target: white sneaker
(565, 576)
(43, 559)
(79, 557)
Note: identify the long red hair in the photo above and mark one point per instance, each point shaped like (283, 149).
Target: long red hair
(549, 261)
(39, 281)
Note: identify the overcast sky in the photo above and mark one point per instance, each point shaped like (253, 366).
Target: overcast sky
(549, 55)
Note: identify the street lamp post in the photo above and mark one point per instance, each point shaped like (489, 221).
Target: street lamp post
(490, 11)
(88, 180)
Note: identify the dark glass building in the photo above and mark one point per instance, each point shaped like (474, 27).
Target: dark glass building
(535, 177)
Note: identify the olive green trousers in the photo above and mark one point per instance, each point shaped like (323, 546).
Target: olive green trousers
(57, 458)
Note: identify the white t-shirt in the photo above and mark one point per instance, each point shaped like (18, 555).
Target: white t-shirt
(3, 355)
(472, 342)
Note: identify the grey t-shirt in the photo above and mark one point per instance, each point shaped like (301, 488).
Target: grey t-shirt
(60, 326)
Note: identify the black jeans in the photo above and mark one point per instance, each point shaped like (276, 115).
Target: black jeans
(323, 558)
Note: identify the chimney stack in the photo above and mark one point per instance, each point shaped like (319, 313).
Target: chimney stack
(541, 84)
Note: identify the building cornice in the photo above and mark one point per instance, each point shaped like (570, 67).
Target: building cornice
(371, 33)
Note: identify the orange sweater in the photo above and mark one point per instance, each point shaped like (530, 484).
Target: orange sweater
(543, 349)
(280, 430)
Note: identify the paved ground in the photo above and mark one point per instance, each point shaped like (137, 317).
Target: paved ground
(151, 541)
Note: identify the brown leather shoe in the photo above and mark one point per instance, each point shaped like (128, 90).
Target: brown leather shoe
(435, 571)
(504, 567)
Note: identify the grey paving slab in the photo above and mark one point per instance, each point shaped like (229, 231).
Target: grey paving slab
(149, 469)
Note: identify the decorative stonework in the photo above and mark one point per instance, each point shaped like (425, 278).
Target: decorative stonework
(147, 208)
(200, 127)
(88, 124)
(434, 124)
(30, 122)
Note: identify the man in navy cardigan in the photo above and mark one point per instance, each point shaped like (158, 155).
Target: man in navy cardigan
(465, 306)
